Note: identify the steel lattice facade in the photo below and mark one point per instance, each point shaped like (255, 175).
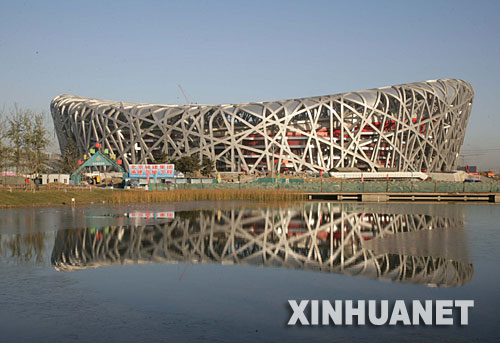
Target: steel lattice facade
(328, 237)
(409, 127)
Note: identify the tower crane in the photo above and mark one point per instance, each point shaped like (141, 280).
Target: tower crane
(184, 94)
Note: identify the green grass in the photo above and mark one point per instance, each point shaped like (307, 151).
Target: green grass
(52, 197)
(48, 197)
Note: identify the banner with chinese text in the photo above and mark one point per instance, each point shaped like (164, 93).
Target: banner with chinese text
(151, 170)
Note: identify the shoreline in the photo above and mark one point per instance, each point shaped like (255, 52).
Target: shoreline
(63, 197)
(16, 198)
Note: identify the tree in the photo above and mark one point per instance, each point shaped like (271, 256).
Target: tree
(28, 139)
(37, 139)
(207, 166)
(5, 150)
(69, 158)
(16, 133)
(187, 164)
(161, 158)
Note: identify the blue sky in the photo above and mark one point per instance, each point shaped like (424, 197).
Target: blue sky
(235, 51)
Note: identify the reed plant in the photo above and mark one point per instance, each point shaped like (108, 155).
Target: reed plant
(255, 195)
(46, 197)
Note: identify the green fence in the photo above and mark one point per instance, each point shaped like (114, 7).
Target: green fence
(347, 186)
(274, 180)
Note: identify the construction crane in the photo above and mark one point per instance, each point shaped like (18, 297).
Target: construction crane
(184, 94)
(463, 156)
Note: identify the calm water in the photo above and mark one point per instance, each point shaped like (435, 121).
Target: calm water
(224, 272)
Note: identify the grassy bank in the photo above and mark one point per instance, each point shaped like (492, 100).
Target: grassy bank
(85, 196)
(52, 197)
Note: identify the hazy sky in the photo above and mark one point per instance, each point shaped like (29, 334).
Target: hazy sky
(235, 51)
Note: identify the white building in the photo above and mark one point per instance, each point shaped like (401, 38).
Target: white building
(52, 178)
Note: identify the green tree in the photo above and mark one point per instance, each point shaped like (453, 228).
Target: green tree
(207, 166)
(187, 164)
(161, 158)
(69, 158)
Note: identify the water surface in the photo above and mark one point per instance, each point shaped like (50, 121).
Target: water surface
(224, 271)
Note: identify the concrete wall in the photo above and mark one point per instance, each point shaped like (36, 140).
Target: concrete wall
(458, 176)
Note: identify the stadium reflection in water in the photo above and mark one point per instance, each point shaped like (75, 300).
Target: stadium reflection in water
(326, 237)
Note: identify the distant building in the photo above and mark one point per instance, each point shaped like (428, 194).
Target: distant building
(468, 169)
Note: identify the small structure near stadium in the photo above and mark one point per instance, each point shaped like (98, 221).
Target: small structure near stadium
(99, 159)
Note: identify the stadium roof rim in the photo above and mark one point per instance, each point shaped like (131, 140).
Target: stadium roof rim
(420, 84)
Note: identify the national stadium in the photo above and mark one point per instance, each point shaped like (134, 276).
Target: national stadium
(410, 127)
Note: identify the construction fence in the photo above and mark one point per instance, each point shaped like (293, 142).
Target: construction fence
(347, 186)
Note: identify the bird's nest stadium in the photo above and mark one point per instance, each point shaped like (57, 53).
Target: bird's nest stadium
(409, 127)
